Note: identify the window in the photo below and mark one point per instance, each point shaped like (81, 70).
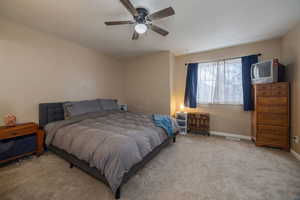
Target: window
(220, 82)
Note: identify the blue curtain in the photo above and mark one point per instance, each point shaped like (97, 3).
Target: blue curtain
(190, 97)
(247, 61)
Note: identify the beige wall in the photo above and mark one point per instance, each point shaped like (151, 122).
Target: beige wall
(148, 83)
(172, 87)
(224, 118)
(290, 54)
(36, 67)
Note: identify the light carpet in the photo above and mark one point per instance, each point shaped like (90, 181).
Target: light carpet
(194, 168)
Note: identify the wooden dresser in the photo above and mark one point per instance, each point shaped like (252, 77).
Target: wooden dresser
(20, 140)
(270, 120)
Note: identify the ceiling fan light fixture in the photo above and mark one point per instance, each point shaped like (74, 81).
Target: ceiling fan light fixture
(142, 19)
(141, 28)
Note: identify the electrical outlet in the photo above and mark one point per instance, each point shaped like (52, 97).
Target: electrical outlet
(296, 139)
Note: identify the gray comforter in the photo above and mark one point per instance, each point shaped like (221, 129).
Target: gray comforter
(110, 141)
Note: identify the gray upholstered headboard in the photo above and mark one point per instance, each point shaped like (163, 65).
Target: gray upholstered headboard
(50, 112)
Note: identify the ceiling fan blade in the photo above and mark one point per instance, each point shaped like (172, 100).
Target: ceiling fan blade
(130, 7)
(118, 23)
(162, 14)
(135, 36)
(158, 30)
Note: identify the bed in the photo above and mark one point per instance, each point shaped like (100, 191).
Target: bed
(130, 134)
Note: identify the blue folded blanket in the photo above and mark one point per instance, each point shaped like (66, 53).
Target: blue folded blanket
(164, 122)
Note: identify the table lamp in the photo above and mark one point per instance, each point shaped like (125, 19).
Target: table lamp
(182, 108)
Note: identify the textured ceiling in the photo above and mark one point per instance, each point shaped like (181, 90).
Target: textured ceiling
(198, 25)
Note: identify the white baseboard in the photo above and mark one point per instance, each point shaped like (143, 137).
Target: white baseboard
(230, 135)
(297, 155)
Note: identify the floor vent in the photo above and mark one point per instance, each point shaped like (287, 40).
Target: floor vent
(233, 138)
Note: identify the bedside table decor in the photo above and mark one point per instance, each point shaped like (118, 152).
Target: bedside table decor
(20, 140)
(198, 123)
(10, 120)
(181, 119)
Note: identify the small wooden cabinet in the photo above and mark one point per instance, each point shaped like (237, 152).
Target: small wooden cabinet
(198, 122)
(20, 140)
(270, 119)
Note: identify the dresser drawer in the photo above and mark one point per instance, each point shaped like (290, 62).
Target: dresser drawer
(280, 86)
(273, 109)
(264, 93)
(16, 146)
(17, 133)
(19, 130)
(280, 89)
(274, 136)
(279, 93)
(275, 101)
(272, 131)
(274, 142)
(272, 90)
(263, 86)
(272, 119)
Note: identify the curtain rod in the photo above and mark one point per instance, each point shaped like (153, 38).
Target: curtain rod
(224, 59)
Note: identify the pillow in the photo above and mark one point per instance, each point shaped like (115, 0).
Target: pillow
(76, 108)
(108, 104)
(66, 107)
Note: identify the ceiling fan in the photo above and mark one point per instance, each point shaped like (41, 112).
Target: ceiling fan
(143, 19)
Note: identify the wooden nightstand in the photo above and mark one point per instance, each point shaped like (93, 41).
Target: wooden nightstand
(22, 139)
(198, 123)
